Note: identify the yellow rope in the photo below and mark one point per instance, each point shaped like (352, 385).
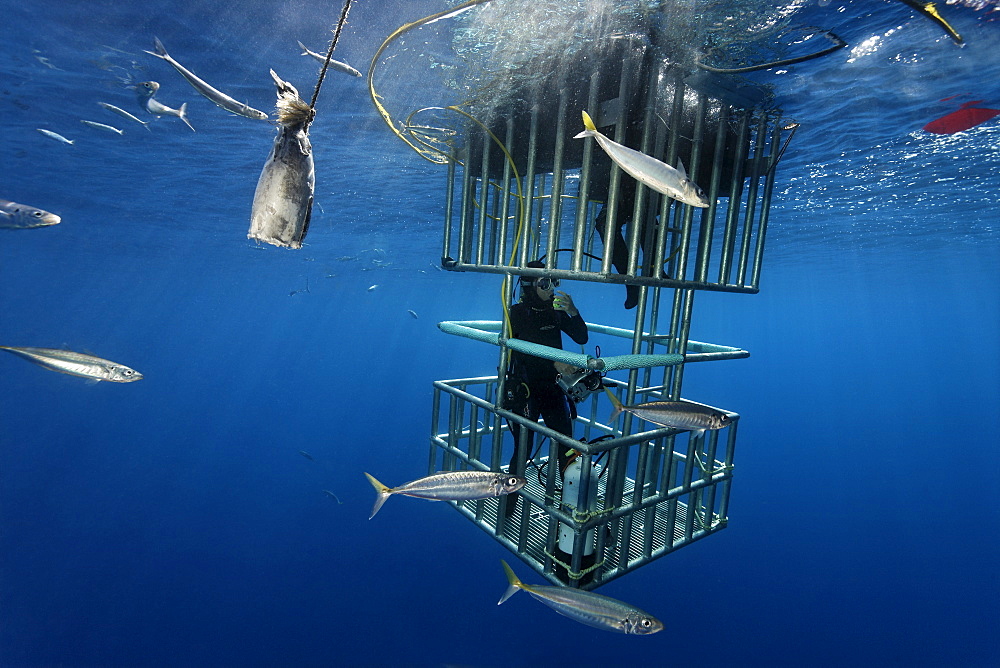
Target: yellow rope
(434, 154)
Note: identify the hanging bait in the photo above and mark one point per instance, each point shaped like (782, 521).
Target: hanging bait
(282, 203)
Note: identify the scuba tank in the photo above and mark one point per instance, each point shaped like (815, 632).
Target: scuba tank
(574, 497)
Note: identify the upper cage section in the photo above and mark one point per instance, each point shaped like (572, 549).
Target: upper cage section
(522, 186)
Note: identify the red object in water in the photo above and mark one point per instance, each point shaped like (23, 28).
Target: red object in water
(966, 117)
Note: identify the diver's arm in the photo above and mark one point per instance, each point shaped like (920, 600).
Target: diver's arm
(574, 325)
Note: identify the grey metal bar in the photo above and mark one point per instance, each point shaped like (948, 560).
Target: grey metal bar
(730, 452)
(500, 255)
(687, 307)
(765, 208)
(484, 197)
(529, 188)
(751, 208)
(582, 204)
(683, 251)
(555, 203)
(637, 228)
(708, 220)
(602, 278)
(611, 206)
(468, 197)
(449, 209)
(435, 428)
(735, 197)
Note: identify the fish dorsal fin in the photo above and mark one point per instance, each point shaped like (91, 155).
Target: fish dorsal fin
(680, 168)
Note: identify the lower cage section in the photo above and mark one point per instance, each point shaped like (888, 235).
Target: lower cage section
(625, 501)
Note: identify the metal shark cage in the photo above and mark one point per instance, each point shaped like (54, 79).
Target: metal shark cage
(635, 492)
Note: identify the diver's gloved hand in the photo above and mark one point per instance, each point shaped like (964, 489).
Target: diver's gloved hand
(563, 302)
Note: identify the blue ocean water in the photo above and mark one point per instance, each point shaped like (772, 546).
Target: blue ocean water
(174, 522)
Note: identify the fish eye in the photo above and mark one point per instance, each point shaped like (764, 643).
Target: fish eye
(645, 623)
(37, 214)
(512, 481)
(127, 372)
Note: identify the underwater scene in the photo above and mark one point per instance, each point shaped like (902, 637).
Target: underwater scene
(328, 328)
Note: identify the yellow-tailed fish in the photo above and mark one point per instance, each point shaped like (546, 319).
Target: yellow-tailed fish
(658, 175)
(450, 486)
(687, 415)
(601, 612)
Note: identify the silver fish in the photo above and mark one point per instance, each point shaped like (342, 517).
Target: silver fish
(450, 486)
(335, 64)
(124, 114)
(688, 415)
(658, 175)
(16, 216)
(282, 203)
(597, 610)
(216, 96)
(102, 126)
(145, 90)
(77, 364)
(55, 135)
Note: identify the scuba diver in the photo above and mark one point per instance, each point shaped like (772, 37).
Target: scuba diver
(531, 388)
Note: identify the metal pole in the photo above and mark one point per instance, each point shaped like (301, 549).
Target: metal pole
(466, 213)
(756, 171)
(582, 207)
(555, 203)
(449, 209)
(735, 197)
(529, 188)
(708, 219)
(765, 208)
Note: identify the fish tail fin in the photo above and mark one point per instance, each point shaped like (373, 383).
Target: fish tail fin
(514, 583)
(305, 49)
(160, 51)
(618, 406)
(589, 128)
(383, 494)
(182, 114)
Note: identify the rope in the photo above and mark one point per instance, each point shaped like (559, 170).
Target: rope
(837, 44)
(430, 155)
(329, 52)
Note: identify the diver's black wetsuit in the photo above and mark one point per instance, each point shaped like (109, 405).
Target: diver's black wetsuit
(531, 388)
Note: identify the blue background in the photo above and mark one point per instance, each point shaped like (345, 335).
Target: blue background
(173, 522)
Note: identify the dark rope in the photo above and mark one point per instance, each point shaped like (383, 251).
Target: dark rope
(329, 52)
(837, 44)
